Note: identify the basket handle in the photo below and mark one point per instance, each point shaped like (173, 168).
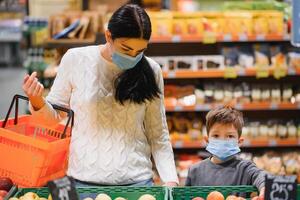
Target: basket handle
(15, 101)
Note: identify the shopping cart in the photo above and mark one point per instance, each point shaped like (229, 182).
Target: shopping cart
(32, 153)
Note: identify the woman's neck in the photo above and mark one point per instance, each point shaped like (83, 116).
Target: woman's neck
(105, 52)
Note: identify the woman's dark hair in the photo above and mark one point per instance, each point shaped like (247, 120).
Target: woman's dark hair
(137, 84)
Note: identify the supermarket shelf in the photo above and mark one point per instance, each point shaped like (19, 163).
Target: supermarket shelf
(10, 38)
(248, 143)
(68, 43)
(244, 106)
(220, 38)
(218, 73)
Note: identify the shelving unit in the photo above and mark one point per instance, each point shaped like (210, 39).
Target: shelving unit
(220, 38)
(219, 73)
(248, 143)
(254, 106)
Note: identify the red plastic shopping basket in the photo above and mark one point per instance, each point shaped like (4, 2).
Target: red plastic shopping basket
(32, 153)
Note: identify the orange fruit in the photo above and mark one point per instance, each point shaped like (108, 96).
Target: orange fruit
(215, 195)
(231, 197)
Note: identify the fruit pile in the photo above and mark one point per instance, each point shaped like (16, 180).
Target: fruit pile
(215, 195)
(106, 197)
(5, 185)
(34, 196)
(30, 196)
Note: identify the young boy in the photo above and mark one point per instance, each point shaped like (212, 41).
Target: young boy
(224, 129)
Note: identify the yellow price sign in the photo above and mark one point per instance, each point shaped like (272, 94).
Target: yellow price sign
(230, 73)
(209, 37)
(280, 72)
(262, 72)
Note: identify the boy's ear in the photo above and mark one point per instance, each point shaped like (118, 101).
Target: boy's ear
(241, 141)
(205, 138)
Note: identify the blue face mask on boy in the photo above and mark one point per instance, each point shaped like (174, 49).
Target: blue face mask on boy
(124, 61)
(223, 149)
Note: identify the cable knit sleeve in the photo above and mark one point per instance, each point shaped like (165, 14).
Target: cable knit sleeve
(59, 94)
(158, 134)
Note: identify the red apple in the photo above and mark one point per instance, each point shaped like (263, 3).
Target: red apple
(6, 184)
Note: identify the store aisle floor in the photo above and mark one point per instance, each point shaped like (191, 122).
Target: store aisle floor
(10, 83)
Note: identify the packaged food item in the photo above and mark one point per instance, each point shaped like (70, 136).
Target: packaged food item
(179, 27)
(161, 23)
(194, 24)
(209, 93)
(263, 130)
(218, 93)
(254, 129)
(184, 63)
(256, 93)
(287, 93)
(238, 22)
(238, 93)
(266, 93)
(228, 93)
(200, 96)
(231, 55)
(260, 23)
(181, 124)
(282, 131)
(262, 56)
(294, 60)
(272, 129)
(246, 98)
(276, 94)
(275, 23)
(213, 22)
(291, 129)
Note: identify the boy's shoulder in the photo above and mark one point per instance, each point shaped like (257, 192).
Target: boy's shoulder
(199, 165)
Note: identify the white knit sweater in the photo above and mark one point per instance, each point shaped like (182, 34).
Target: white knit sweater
(111, 144)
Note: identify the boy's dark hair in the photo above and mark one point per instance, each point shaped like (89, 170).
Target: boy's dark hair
(225, 115)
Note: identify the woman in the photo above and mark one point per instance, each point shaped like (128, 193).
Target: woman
(116, 94)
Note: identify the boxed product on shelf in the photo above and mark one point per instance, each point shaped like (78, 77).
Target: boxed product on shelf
(213, 22)
(220, 93)
(208, 62)
(194, 63)
(194, 24)
(294, 60)
(276, 23)
(235, 23)
(238, 23)
(161, 23)
(260, 23)
(76, 25)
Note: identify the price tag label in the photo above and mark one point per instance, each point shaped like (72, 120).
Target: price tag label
(176, 38)
(262, 72)
(281, 187)
(230, 72)
(280, 72)
(209, 38)
(63, 189)
(227, 38)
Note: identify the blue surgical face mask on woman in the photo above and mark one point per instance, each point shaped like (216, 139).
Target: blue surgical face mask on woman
(124, 61)
(223, 149)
